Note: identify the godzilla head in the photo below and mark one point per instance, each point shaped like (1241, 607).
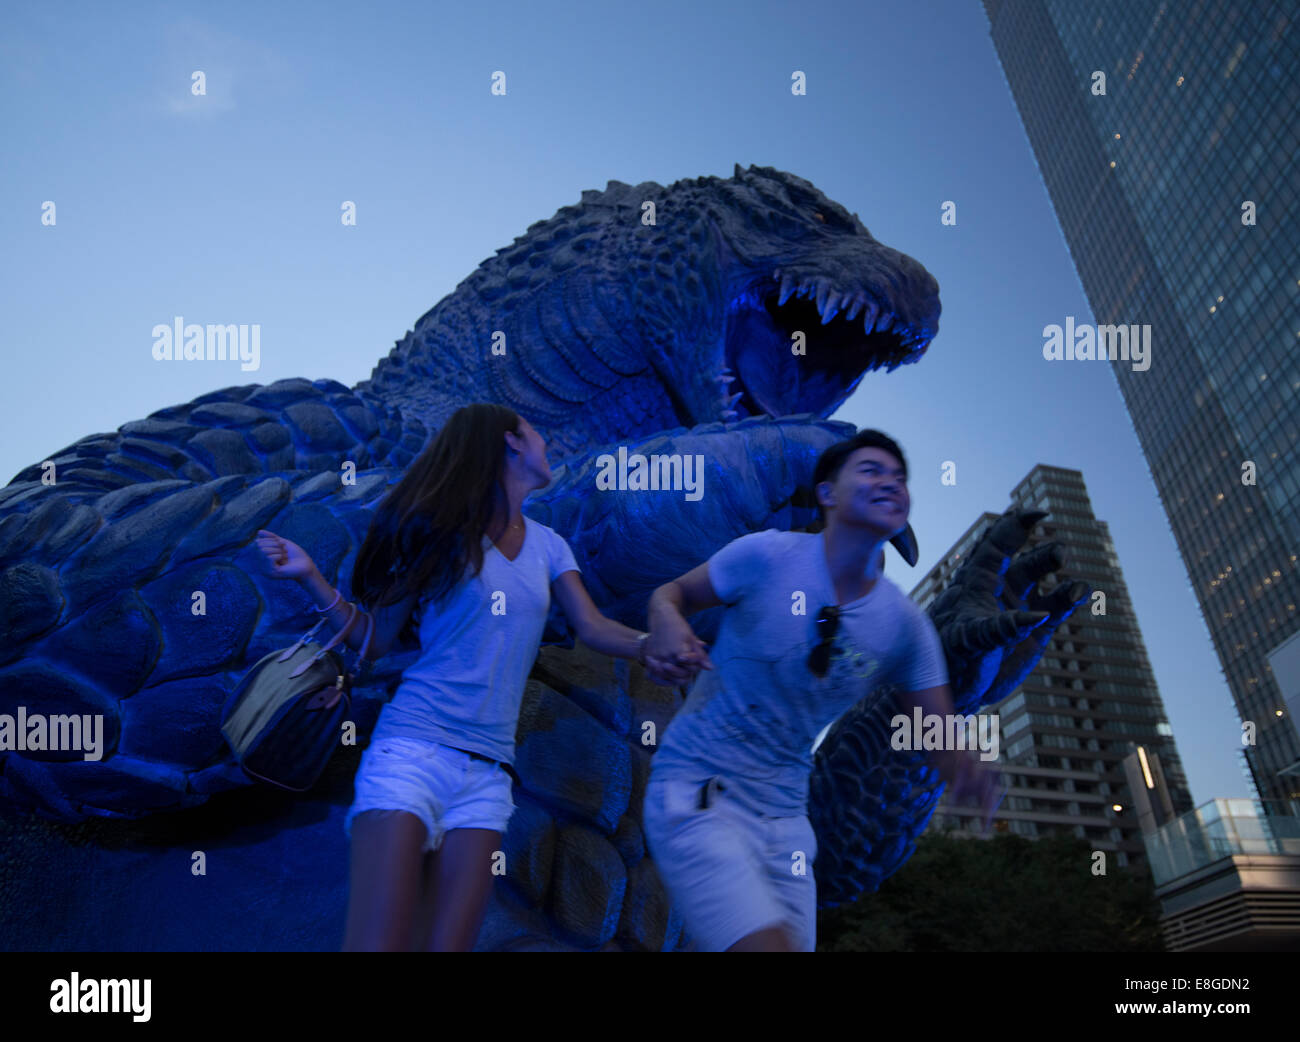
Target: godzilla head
(788, 301)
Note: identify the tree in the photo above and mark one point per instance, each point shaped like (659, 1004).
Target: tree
(1003, 894)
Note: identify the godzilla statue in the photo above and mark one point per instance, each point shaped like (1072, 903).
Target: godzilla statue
(607, 330)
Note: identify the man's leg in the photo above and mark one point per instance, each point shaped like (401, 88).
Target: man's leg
(790, 848)
(710, 860)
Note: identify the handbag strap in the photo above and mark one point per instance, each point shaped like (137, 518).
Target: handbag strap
(288, 653)
(361, 665)
(340, 635)
(365, 645)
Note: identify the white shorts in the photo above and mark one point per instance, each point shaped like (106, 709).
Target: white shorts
(728, 870)
(443, 787)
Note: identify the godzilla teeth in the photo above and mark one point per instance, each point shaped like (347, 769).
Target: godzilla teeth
(729, 414)
(823, 295)
(830, 302)
(725, 379)
(869, 317)
(732, 400)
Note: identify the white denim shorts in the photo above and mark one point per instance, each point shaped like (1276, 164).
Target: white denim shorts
(728, 870)
(443, 787)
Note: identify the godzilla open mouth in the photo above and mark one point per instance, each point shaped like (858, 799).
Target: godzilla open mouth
(762, 374)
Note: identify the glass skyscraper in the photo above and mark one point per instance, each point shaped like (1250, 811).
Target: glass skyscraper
(1167, 137)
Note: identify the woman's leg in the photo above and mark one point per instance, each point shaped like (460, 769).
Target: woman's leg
(427, 904)
(384, 890)
(462, 883)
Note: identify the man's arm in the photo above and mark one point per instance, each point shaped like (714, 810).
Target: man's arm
(932, 700)
(936, 701)
(671, 637)
(965, 773)
(685, 595)
(723, 579)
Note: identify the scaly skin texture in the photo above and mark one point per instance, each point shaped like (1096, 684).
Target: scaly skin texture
(614, 331)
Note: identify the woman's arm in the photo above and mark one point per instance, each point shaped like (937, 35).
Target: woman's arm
(604, 634)
(388, 620)
(287, 560)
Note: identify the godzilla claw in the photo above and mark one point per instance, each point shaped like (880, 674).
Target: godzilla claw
(993, 622)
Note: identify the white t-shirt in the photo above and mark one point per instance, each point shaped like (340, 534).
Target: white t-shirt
(476, 650)
(753, 718)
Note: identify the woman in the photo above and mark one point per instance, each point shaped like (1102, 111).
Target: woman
(450, 552)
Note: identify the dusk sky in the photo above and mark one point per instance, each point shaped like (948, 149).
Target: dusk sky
(225, 209)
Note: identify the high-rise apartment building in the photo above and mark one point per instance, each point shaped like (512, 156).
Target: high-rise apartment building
(1167, 139)
(1089, 705)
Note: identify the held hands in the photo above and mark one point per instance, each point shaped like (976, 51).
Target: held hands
(287, 560)
(665, 673)
(674, 654)
(970, 781)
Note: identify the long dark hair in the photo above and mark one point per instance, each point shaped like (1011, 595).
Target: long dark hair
(429, 527)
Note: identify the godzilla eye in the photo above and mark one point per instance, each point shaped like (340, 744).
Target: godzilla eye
(833, 220)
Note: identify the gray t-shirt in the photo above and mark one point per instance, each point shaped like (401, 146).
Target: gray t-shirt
(476, 649)
(753, 718)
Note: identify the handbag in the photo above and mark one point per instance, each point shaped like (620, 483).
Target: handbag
(283, 724)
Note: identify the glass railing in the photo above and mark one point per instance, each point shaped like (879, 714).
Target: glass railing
(1218, 829)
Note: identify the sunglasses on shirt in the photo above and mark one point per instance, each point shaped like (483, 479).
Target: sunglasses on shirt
(828, 624)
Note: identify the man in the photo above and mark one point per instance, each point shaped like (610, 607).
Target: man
(811, 626)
